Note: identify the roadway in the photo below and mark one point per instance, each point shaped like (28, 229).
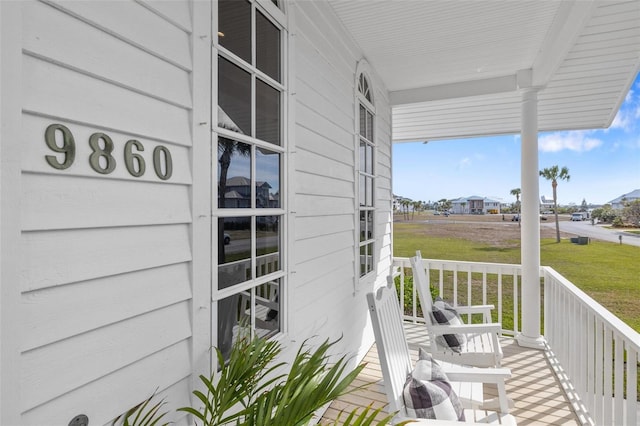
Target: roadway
(598, 232)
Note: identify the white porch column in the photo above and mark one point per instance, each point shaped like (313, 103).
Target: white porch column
(530, 221)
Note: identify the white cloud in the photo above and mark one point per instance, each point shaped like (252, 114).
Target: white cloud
(624, 119)
(464, 163)
(578, 141)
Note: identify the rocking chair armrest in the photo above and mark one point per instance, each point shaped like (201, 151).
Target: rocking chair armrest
(439, 330)
(475, 309)
(457, 373)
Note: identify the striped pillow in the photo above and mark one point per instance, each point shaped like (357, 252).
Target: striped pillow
(445, 314)
(427, 393)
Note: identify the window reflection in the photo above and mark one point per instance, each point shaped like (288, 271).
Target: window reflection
(363, 122)
(267, 245)
(366, 225)
(366, 191)
(267, 113)
(234, 27)
(234, 174)
(234, 97)
(267, 308)
(230, 323)
(234, 251)
(267, 178)
(268, 47)
(366, 259)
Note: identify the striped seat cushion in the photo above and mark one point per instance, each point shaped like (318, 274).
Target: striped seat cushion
(428, 394)
(444, 314)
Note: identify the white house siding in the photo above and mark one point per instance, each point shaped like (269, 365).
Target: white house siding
(106, 277)
(327, 298)
(105, 313)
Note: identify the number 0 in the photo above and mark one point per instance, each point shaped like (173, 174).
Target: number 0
(158, 153)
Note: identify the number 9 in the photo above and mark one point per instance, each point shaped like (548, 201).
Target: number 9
(68, 147)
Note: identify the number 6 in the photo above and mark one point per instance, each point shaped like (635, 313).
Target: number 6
(129, 158)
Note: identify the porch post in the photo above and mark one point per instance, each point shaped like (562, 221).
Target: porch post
(530, 221)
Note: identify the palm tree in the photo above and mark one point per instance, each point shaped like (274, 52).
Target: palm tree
(227, 148)
(554, 173)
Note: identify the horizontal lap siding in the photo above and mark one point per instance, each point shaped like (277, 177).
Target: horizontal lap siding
(325, 304)
(105, 276)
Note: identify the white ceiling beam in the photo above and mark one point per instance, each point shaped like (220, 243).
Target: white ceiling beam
(463, 89)
(571, 19)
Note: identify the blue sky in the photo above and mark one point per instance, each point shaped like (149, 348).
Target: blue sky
(603, 164)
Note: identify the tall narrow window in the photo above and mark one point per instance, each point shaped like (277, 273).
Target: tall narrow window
(366, 176)
(250, 160)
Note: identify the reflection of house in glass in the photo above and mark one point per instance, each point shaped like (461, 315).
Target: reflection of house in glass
(238, 194)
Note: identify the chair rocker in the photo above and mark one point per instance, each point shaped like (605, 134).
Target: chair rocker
(482, 346)
(395, 363)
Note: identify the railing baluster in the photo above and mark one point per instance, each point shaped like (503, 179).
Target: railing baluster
(469, 293)
(500, 299)
(484, 286)
(516, 327)
(590, 363)
(582, 373)
(607, 418)
(632, 386)
(598, 371)
(618, 407)
(455, 285)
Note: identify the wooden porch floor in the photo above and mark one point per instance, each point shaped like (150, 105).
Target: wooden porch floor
(537, 393)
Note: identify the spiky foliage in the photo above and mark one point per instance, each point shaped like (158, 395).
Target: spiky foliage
(247, 391)
(142, 415)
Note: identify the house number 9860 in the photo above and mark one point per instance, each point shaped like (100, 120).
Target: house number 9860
(101, 159)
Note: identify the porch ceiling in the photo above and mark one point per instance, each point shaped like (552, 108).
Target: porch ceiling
(455, 68)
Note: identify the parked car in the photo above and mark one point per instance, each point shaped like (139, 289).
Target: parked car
(515, 218)
(576, 217)
(227, 238)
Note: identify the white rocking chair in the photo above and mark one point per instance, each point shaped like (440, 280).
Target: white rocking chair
(482, 346)
(395, 362)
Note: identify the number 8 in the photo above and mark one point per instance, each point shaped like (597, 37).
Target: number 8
(94, 158)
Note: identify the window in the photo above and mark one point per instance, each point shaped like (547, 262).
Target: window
(366, 176)
(250, 160)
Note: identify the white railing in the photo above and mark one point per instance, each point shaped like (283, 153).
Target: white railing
(596, 351)
(594, 354)
(467, 283)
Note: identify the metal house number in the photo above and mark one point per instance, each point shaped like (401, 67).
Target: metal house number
(101, 158)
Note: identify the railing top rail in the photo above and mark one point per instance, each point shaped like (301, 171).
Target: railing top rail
(462, 265)
(630, 335)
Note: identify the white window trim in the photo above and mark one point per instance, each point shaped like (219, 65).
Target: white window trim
(279, 18)
(363, 68)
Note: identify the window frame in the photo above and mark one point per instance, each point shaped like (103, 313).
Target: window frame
(363, 71)
(278, 18)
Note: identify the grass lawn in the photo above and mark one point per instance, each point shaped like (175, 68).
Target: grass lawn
(608, 272)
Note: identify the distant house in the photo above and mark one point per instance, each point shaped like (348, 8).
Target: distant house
(618, 203)
(238, 194)
(475, 205)
(546, 204)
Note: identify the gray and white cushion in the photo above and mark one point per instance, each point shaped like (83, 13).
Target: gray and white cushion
(445, 314)
(428, 394)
